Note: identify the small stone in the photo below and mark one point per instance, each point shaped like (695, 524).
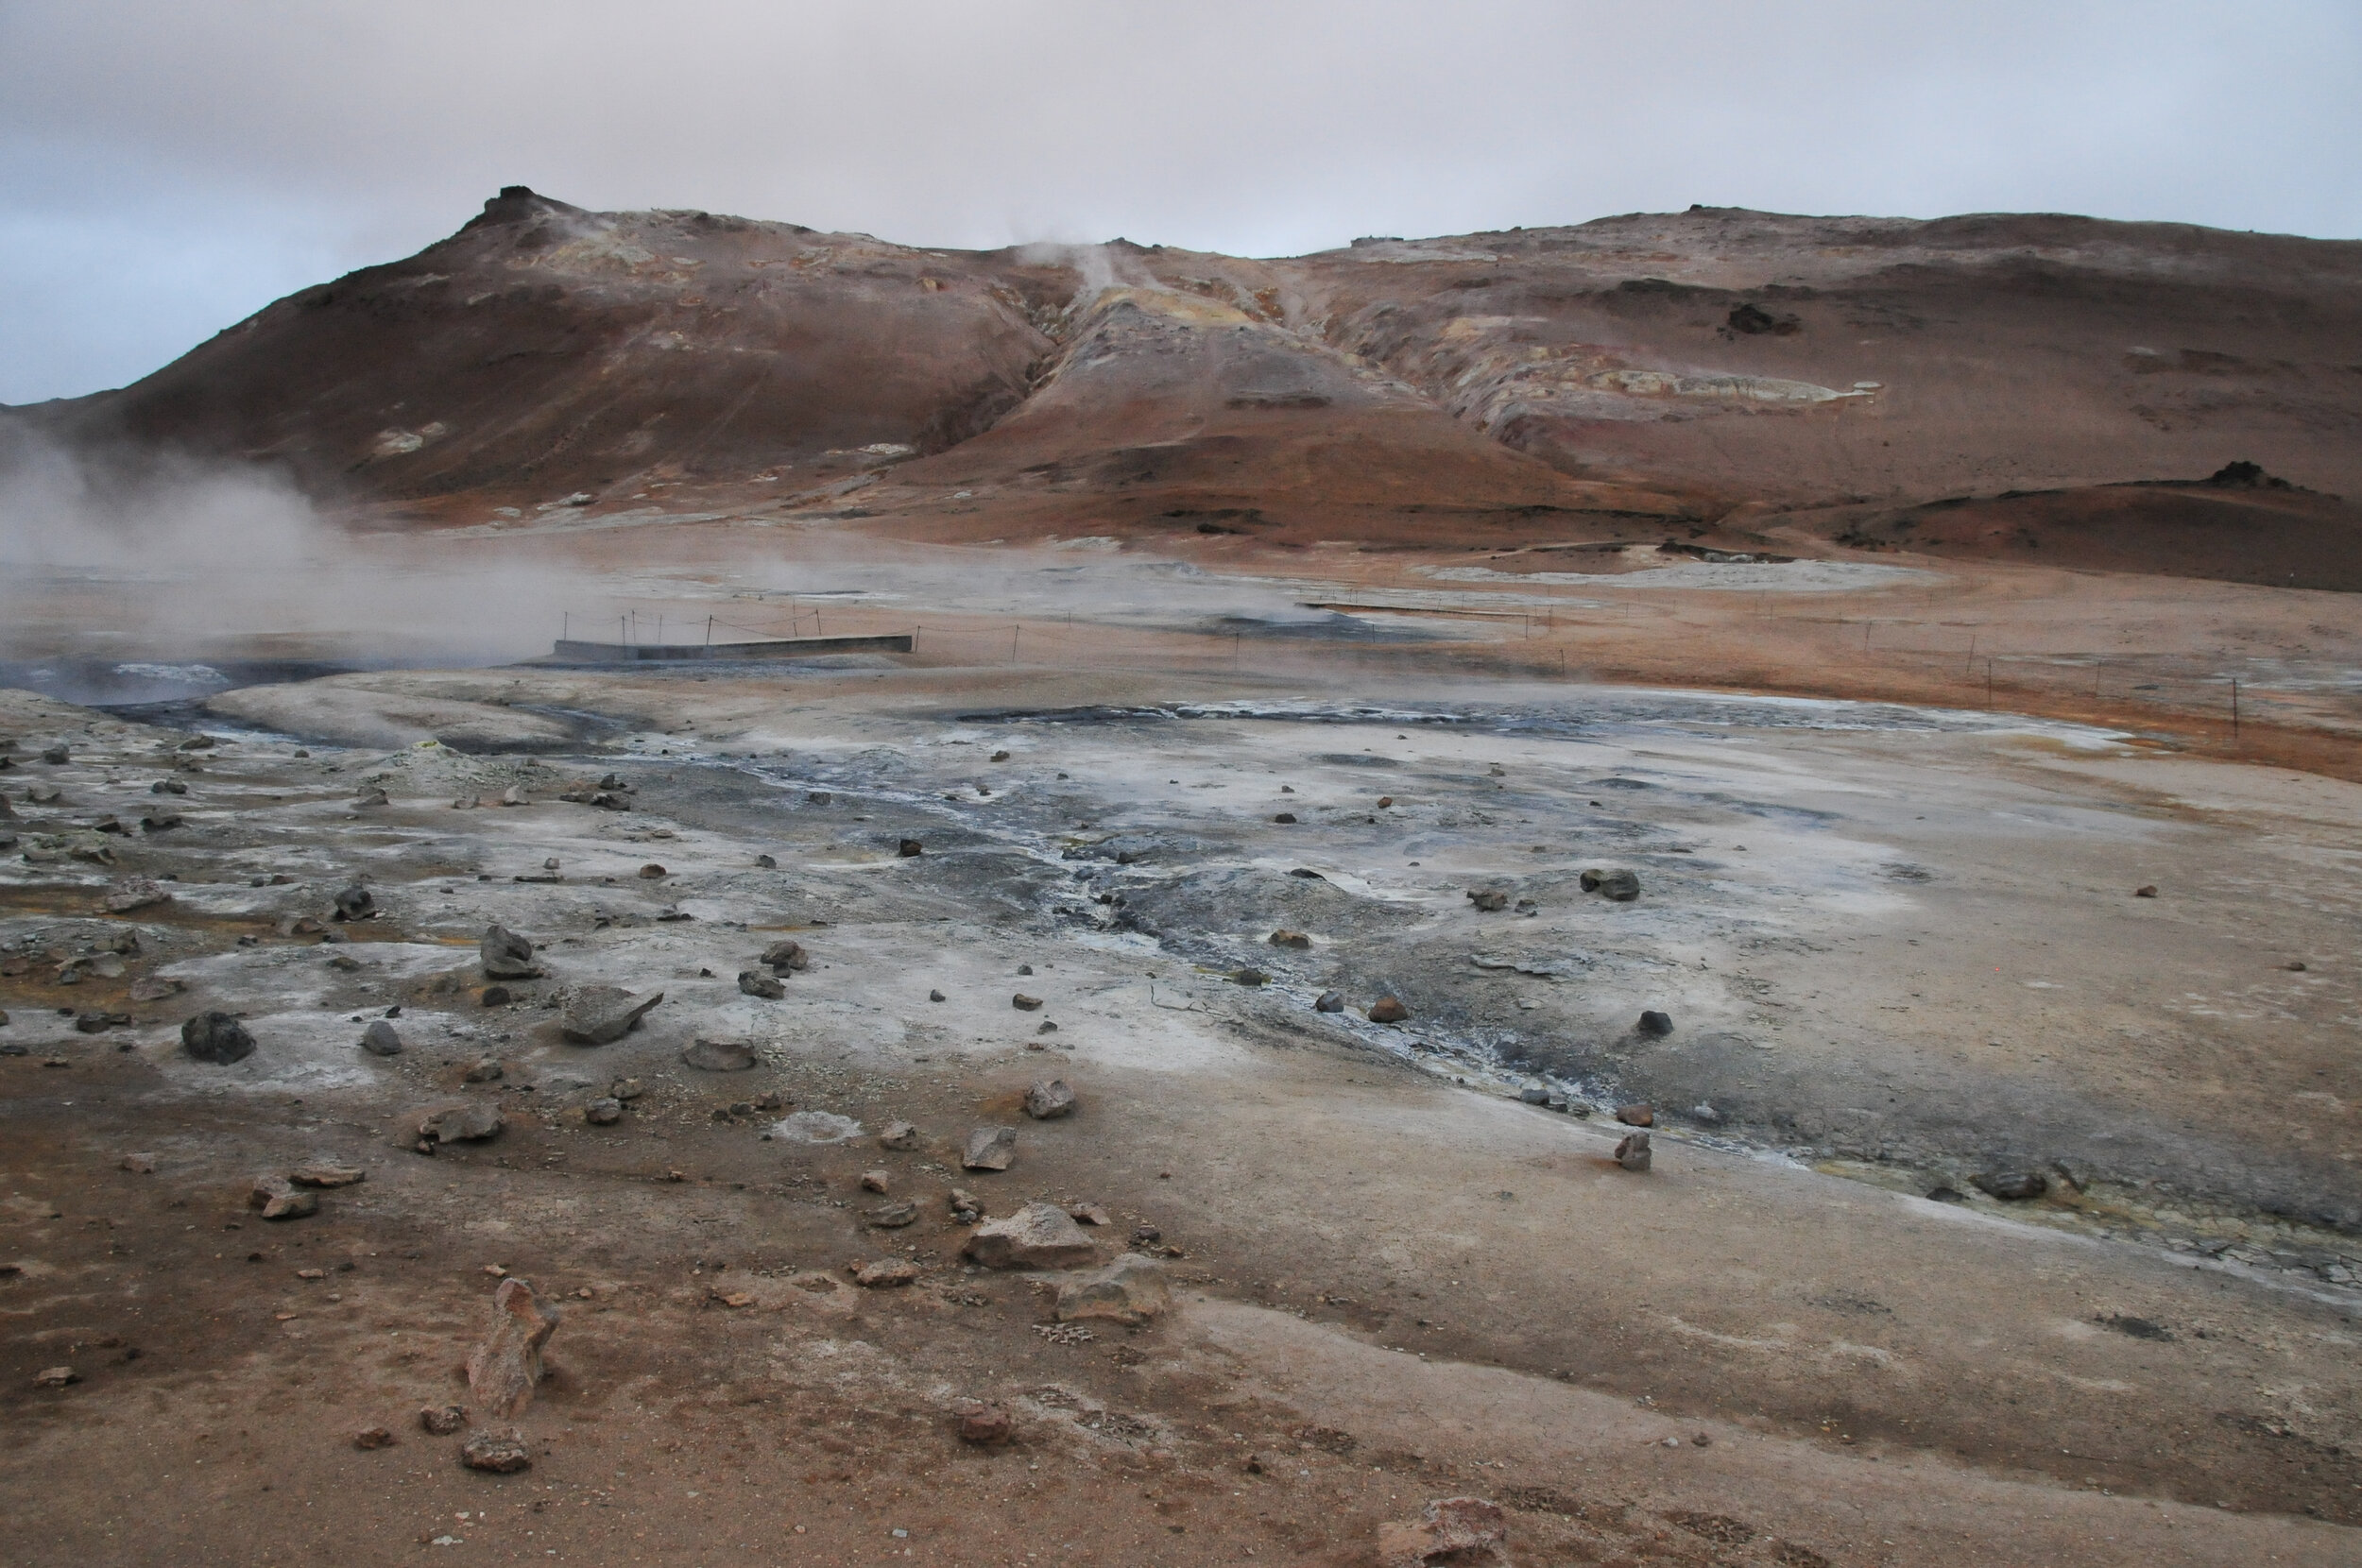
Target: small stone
(515, 795)
(2012, 1187)
(1488, 900)
(989, 1149)
(1040, 1236)
(771, 1100)
(892, 1217)
(327, 1175)
(936, 997)
(134, 893)
(1089, 1214)
(653, 872)
(781, 957)
(1638, 1114)
(2147, 890)
(381, 1039)
(1465, 1532)
(767, 863)
(1331, 1001)
(1295, 940)
(1284, 817)
(1131, 1290)
(604, 1112)
(354, 903)
(1388, 1010)
(981, 1423)
(442, 1420)
(502, 1453)
(1024, 1003)
(141, 1164)
(1385, 802)
(966, 1207)
(98, 1020)
(154, 988)
(217, 1037)
(1655, 1024)
(600, 1014)
(876, 1181)
(506, 955)
(625, 1089)
(1048, 1099)
(719, 1056)
(466, 1122)
(55, 755)
(756, 982)
(371, 797)
(162, 821)
(899, 1136)
(491, 1069)
(56, 1377)
(1534, 1093)
(1024, 968)
(280, 1199)
(497, 996)
(1249, 977)
(910, 848)
(888, 1274)
(1631, 1152)
(372, 1437)
(504, 1369)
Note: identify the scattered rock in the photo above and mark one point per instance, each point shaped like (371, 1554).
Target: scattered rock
(153, 988)
(502, 1453)
(604, 1112)
(97, 1021)
(515, 795)
(887, 1274)
(936, 997)
(719, 1056)
(601, 1015)
(653, 872)
(217, 1037)
(381, 1039)
(56, 1377)
(1040, 1236)
(2147, 890)
(354, 903)
(1621, 886)
(162, 819)
(1631, 1152)
(140, 1164)
(442, 1420)
(1331, 1001)
(1488, 900)
(967, 1208)
(1024, 1003)
(910, 848)
(134, 893)
(1130, 1290)
(989, 1149)
(327, 1175)
(1639, 1115)
(892, 1217)
(491, 1069)
(757, 982)
(625, 1089)
(1945, 1192)
(280, 1199)
(1463, 1532)
(1655, 1024)
(1284, 817)
(899, 1136)
(506, 956)
(979, 1422)
(1388, 1010)
(2012, 1187)
(1048, 1099)
(371, 797)
(876, 1181)
(1295, 940)
(1535, 1092)
(784, 957)
(466, 1122)
(1248, 976)
(504, 1369)
(372, 1437)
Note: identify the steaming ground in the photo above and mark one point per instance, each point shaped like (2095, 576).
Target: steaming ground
(1899, 947)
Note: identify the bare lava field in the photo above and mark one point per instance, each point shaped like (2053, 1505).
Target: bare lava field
(1875, 591)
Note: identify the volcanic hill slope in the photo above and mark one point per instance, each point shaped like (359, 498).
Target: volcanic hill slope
(1615, 379)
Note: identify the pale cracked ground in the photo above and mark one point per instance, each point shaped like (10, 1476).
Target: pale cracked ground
(1898, 947)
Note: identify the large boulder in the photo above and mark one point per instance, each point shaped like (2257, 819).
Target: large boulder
(504, 1369)
(1040, 1236)
(601, 1015)
(217, 1037)
(1130, 1291)
(506, 955)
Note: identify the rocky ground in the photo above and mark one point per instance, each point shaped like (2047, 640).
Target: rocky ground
(1898, 953)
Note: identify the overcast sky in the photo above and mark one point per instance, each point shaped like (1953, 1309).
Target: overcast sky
(168, 167)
